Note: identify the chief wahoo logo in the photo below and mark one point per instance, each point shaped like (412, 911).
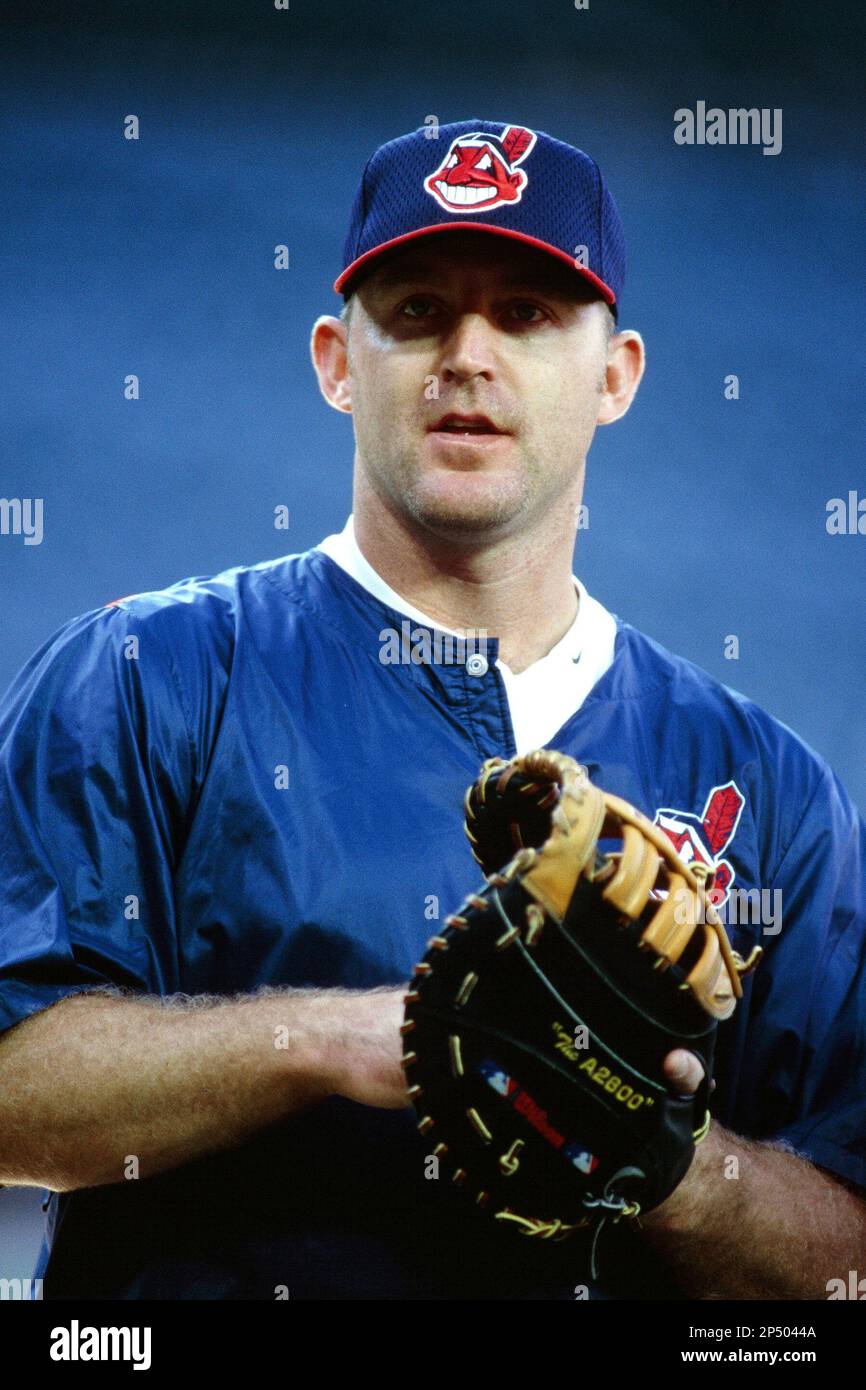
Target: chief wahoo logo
(480, 171)
(703, 839)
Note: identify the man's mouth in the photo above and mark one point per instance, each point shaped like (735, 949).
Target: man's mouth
(466, 425)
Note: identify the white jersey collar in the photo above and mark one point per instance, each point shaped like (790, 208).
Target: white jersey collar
(542, 696)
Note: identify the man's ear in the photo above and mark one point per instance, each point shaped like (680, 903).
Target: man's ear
(626, 359)
(329, 351)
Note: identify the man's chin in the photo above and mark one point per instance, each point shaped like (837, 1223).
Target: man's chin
(464, 513)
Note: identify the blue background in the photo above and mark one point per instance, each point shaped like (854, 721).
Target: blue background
(155, 257)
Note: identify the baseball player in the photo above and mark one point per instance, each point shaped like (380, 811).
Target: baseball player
(231, 817)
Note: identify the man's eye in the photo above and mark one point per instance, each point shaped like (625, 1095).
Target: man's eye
(524, 312)
(417, 308)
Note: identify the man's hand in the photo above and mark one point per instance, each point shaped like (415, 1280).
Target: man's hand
(781, 1230)
(363, 1046)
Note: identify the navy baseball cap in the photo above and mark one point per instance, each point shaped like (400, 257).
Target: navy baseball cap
(488, 176)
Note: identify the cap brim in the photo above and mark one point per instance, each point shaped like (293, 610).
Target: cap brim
(341, 284)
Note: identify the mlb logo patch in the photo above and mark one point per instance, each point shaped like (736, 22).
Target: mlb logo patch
(581, 1158)
(499, 1080)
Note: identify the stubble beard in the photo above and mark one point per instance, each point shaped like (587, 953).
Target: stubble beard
(454, 505)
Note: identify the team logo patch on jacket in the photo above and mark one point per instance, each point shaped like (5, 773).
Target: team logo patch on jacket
(703, 839)
(480, 171)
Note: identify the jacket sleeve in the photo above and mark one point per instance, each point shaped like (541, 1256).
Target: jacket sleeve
(96, 771)
(804, 1051)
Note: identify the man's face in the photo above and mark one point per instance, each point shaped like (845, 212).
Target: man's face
(476, 368)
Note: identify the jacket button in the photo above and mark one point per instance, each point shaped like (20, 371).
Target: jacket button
(476, 665)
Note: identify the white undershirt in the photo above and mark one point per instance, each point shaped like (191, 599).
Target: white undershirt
(540, 698)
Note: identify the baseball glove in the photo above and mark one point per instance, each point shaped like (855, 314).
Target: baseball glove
(538, 1021)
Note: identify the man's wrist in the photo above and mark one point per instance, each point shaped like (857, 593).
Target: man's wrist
(300, 1024)
(685, 1208)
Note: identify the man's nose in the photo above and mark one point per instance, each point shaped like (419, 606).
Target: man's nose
(470, 348)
